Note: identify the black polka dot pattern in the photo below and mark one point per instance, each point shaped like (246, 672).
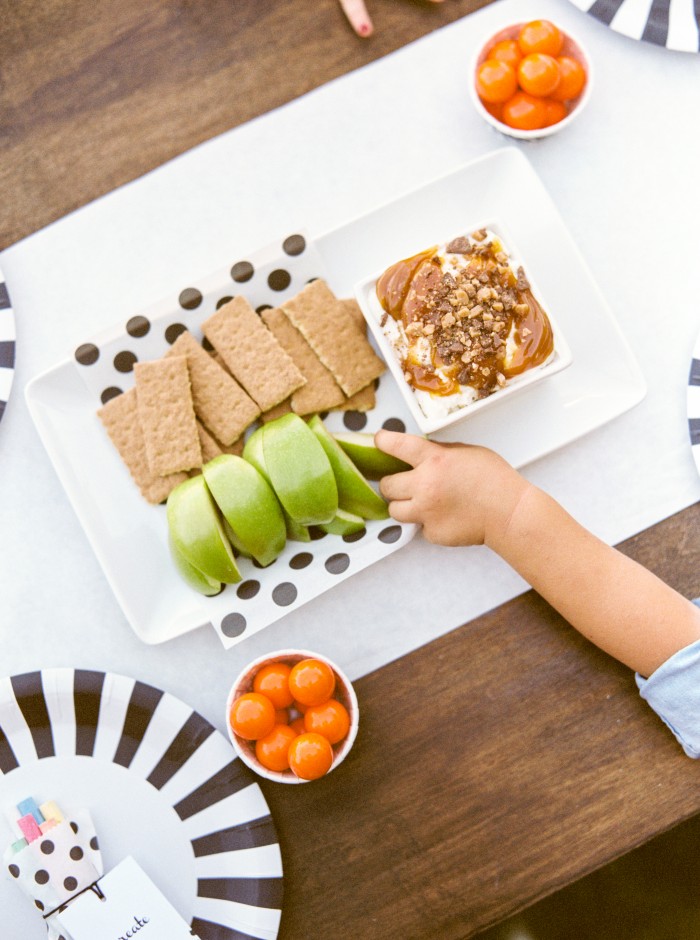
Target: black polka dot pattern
(233, 625)
(13, 870)
(109, 393)
(222, 301)
(294, 245)
(76, 853)
(337, 563)
(248, 589)
(279, 279)
(173, 331)
(87, 354)
(124, 361)
(41, 877)
(190, 298)
(390, 534)
(242, 271)
(394, 424)
(138, 327)
(47, 846)
(354, 420)
(284, 594)
(70, 883)
(300, 561)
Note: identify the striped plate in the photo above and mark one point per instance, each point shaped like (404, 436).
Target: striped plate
(7, 345)
(693, 403)
(674, 24)
(161, 783)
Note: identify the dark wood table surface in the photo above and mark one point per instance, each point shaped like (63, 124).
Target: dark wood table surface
(494, 765)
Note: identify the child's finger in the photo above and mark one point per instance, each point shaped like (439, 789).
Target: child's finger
(396, 486)
(357, 14)
(407, 447)
(402, 510)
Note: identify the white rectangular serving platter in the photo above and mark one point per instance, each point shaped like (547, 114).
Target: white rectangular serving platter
(129, 536)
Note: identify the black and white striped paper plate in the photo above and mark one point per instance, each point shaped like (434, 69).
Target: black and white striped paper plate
(7, 345)
(161, 784)
(693, 403)
(674, 24)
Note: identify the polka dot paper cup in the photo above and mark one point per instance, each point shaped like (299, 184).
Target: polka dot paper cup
(570, 47)
(343, 693)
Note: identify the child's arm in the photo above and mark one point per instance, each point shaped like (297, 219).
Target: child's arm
(465, 495)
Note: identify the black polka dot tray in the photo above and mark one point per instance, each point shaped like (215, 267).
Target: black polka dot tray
(160, 783)
(7, 345)
(130, 536)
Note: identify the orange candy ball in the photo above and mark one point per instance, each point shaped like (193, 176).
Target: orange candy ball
(311, 682)
(538, 74)
(330, 719)
(524, 112)
(572, 79)
(298, 725)
(310, 756)
(273, 750)
(555, 111)
(540, 36)
(252, 716)
(495, 81)
(273, 680)
(508, 51)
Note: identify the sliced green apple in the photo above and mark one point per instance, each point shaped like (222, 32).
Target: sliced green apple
(299, 470)
(197, 532)
(344, 523)
(369, 460)
(193, 576)
(253, 453)
(355, 494)
(249, 506)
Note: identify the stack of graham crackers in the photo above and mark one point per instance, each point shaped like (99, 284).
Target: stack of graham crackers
(309, 355)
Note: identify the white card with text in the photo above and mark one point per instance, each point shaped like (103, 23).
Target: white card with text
(132, 908)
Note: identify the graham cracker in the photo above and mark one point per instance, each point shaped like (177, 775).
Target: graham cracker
(121, 421)
(283, 408)
(321, 392)
(219, 401)
(212, 448)
(337, 339)
(351, 308)
(252, 354)
(166, 415)
(364, 400)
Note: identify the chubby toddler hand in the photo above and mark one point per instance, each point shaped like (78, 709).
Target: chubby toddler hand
(460, 493)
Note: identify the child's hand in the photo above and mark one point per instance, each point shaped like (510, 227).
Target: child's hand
(461, 494)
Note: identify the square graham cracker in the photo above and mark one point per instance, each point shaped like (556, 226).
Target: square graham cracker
(252, 354)
(337, 338)
(166, 415)
(121, 421)
(321, 392)
(219, 401)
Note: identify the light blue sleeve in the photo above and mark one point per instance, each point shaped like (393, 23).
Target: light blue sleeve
(673, 691)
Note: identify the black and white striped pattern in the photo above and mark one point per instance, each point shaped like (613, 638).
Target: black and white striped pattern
(693, 404)
(222, 813)
(674, 24)
(7, 345)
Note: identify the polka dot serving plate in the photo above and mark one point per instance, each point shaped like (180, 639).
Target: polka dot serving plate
(128, 535)
(160, 783)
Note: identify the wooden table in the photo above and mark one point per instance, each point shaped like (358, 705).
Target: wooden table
(463, 800)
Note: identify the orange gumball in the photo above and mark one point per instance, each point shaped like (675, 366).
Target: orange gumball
(330, 719)
(508, 51)
(273, 750)
(495, 81)
(538, 74)
(282, 716)
(252, 716)
(298, 726)
(525, 112)
(311, 682)
(310, 756)
(540, 36)
(273, 680)
(555, 111)
(572, 79)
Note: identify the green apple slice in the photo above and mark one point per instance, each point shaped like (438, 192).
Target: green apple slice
(355, 494)
(344, 523)
(248, 505)
(193, 576)
(299, 470)
(253, 453)
(197, 531)
(369, 460)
